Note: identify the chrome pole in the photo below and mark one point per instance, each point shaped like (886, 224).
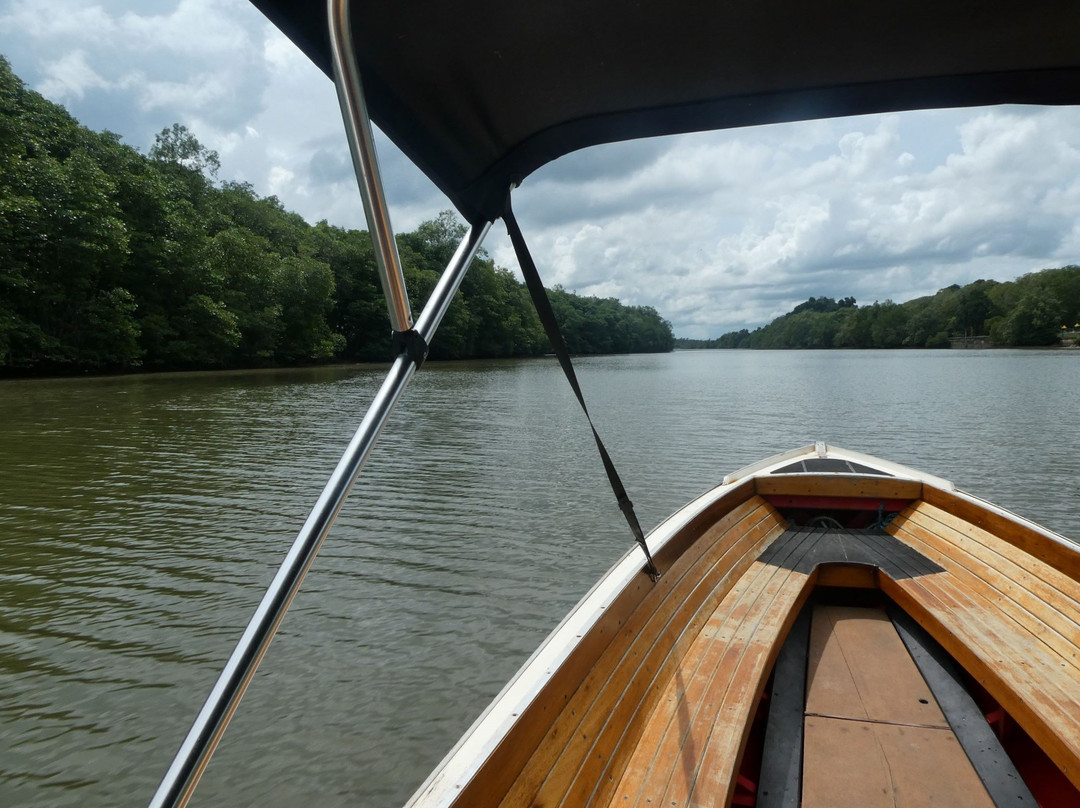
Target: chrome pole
(366, 165)
(203, 737)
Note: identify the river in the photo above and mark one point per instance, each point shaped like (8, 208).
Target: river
(141, 518)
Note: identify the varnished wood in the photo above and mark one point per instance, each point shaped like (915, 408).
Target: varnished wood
(632, 689)
(652, 707)
(1043, 610)
(584, 729)
(515, 768)
(1055, 554)
(840, 486)
(848, 576)
(1031, 574)
(1033, 683)
(689, 751)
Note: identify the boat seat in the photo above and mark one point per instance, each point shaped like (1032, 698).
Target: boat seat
(653, 709)
(689, 750)
(1012, 620)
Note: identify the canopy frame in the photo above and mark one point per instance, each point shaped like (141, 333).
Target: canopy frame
(411, 340)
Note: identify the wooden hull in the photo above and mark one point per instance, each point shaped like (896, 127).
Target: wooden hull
(653, 694)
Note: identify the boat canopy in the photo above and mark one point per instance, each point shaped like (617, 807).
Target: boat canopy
(481, 93)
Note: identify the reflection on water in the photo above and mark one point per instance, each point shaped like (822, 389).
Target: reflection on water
(140, 519)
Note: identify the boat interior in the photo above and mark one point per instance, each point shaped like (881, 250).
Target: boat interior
(823, 633)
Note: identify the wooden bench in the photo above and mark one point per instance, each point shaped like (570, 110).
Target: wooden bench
(691, 745)
(1012, 620)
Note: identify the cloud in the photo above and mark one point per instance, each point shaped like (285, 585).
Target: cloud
(716, 230)
(70, 77)
(167, 61)
(728, 229)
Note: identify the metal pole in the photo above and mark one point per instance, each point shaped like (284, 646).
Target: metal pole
(203, 737)
(366, 164)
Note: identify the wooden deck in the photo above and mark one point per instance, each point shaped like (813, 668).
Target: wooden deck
(689, 750)
(874, 733)
(578, 734)
(654, 707)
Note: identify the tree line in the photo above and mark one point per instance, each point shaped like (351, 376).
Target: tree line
(1032, 310)
(111, 259)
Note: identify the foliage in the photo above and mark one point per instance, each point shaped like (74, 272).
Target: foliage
(1027, 311)
(114, 260)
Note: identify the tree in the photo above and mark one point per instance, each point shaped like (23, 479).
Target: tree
(111, 259)
(1034, 321)
(177, 145)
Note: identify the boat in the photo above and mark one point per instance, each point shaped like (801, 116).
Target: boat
(828, 629)
(823, 627)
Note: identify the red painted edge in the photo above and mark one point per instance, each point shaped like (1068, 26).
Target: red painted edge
(836, 503)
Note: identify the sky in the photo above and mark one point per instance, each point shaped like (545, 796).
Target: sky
(717, 231)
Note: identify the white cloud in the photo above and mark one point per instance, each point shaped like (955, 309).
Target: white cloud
(70, 76)
(768, 218)
(183, 97)
(48, 20)
(717, 231)
(194, 28)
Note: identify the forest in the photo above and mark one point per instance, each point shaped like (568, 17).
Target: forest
(1035, 309)
(114, 260)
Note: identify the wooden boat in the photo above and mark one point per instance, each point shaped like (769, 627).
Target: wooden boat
(764, 667)
(824, 628)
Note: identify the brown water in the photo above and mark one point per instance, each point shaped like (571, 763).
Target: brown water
(141, 518)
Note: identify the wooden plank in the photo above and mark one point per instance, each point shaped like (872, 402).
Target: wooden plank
(1006, 659)
(1017, 671)
(1048, 584)
(834, 503)
(848, 576)
(1045, 613)
(996, 770)
(1059, 556)
(839, 486)
(607, 733)
(859, 669)
(667, 756)
(780, 784)
(867, 764)
(702, 529)
(715, 784)
(524, 759)
(620, 692)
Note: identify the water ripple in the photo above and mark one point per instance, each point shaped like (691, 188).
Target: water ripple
(141, 519)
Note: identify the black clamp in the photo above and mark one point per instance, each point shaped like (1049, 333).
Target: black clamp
(410, 342)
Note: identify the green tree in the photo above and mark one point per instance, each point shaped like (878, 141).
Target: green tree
(1035, 320)
(111, 259)
(178, 146)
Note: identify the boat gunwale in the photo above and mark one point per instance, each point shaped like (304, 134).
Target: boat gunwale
(497, 720)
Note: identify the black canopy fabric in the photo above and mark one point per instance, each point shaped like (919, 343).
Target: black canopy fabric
(480, 93)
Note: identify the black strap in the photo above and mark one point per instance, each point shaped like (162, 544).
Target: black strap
(551, 326)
